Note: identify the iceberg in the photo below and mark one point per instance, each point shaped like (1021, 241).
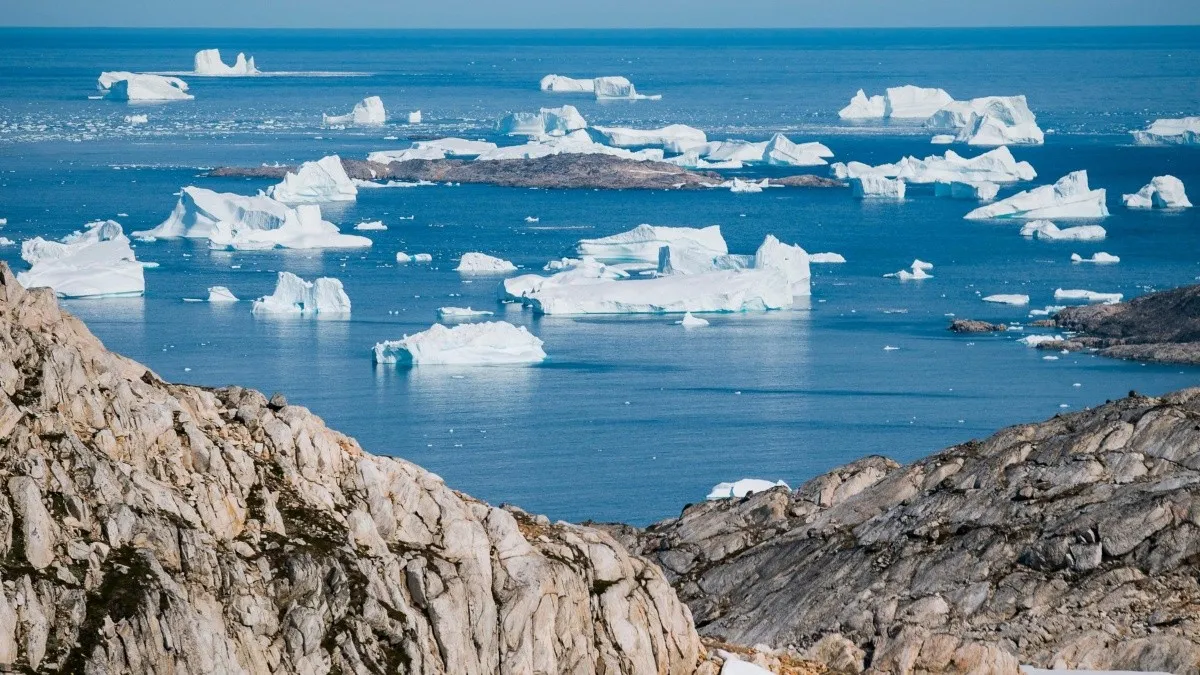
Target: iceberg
(641, 244)
(742, 488)
(135, 120)
(139, 87)
(863, 108)
(781, 151)
(440, 148)
(579, 272)
(745, 186)
(1069, 197)
(1035, 340)
(294, 295)
(1045, 229)
(5, 241)
(373, 226)
(561, 84)
(389, 156)
(1008, 299)
(989, 121)
(918, 270)
(826, 258)
(907, 102)
(94, 263)
(993, 166)
(877, 187)
(576, 142)
(689, 321)
(324, 180)
(942, 139)
(422, 257)
(208, 63)
(1079, 295)
(719, 291)
(983, 191)
(1163, 192)
(676, 138)
(618, 87)
(482, 263)
(734, 151)
(491, 343)
(1099, 257)
(460, 313)
(414, 117)
(368, 112)
(692, 160)
(221, 294)
(789, 259)
(1177, 131)
(545, 122)
(231, 221)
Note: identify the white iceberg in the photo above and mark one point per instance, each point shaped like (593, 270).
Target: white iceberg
(575, 142)
(619, 87)
(1099, 257)
(5, 241)
(1177, 131)
(942, 139)
(826, 258)
(676, 138)
(294, 295)
(907, 102)
(422, 257)
(1080, 295)
(918, 270)
(368, 112)
(459, 313)
(877, 187)
(140, 87)
(1163, 192)
(324, 180)
(689, 321)
(135, 120)
(208, 63)
(983, 191)
(545, 122)
(482, 263)
(993, 166)
(781, 151)
(742, 488)
(440, 148)
(641, 244)
(745, 186)
(1035, 340)
(238, 222)
(402, 257)
(579, 272)
(414, 117)
(720, 291)
(692, 160)
(989, 121)
(96, 262)
(221, 294)
(862, 107)
(790, 259)
(490, 343)
(1069, 197)
(372, 226)
(1008, 299)
(1045, 229)
(568, 85)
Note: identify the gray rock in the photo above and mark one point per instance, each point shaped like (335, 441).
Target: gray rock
(1163, 326)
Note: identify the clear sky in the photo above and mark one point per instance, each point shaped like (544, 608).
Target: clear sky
(588, 14)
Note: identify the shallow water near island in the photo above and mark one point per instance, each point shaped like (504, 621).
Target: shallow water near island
(630, 418)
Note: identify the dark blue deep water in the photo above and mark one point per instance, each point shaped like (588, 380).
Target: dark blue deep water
(630, 417)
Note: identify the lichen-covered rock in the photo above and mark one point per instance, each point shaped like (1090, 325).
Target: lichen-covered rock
(151, 527)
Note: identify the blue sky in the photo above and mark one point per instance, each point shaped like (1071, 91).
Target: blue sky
(606, 14)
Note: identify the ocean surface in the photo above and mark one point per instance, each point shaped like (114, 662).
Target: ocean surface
(630, 418)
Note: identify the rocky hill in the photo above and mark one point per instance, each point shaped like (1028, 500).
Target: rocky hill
(1163, 326)
(153, 527)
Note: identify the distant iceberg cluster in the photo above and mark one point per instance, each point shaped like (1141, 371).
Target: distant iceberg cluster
(96, 262)
(985, 121)
(609, 87)
(208, 63)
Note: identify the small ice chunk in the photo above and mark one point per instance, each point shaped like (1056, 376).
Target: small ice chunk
(532, 219)
(1035, 340)
(414, 117)
(1163, 192)
(368, 112)
(918, 270)
(461, 313)
(689, 321)
(324, 180)
(294, 295)
(1099, 257)
(1045, 229)
(1069, 197)
(1077, 295)
(221, 294)
(825, 258)
(469, 344)
(139, 87)
(422, 258)
(1008, 299)
(372, 226)
(482, 263)
(741, 488)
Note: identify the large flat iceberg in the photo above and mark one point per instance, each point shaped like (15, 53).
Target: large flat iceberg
(721, 291)
(678, 138)
(1045, 229)
(491, 343)
(1176, 131)
(368, 112)
(545, 122)
(989, 121)
(141, 87)
(641, 244)
(1069, 197)
(1163, 192)
(907, 102)
(993, 166)
(324, 180)
(482, 263)
(208, 63)
(232, 221)
(561, 84)
(294, 295)
(607, 87)
(97, 262)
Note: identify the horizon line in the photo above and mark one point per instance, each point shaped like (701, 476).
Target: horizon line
(607, 28)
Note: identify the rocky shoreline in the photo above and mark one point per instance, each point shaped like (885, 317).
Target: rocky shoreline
(1163, 327)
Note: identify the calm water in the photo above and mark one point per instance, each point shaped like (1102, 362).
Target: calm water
(631, 417)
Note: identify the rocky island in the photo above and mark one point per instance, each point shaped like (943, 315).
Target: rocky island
(1162, 327)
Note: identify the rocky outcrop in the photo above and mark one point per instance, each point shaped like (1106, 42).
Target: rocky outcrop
(1070, 543)
(153, 527)
(807, 180)
(1163, 326)
(975, 326)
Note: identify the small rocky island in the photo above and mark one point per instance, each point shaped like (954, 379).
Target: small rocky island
(1162, 327)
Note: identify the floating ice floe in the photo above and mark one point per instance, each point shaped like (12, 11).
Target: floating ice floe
(1171, 131)
(96, 262)
(142, 87)
(1045, 229)
(459, 313)
(294, 295)
(368, 112)
(1069, 197)
(373, 226)
(982, 191)
(561, 84)
(907, 102)
(422, 257)
(5, 241)
(608, 87)
(918, 270)
(989, 121)
(440, 148)
(221, 294)
(491, 343)
(745, 186)
(482, 263)
(741, 290)
(1080, 295)
(689, 321)
(1035, 340)
(1099, 257)
(577, 142)
(231, 221)
(135, 120)
(741, 488)
(414, 117)
(877, 187)
(545, 122)
(993, 166)
(677, 138)
(942, 139)
(641, 244)
(1008, 299)
(208, 63)
(1048, 310)
(825, 258)
(1163, 192)
(324, 180)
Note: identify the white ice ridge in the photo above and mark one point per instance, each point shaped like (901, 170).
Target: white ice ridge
(491, 343)
(294, 295)
(989, 121)
(208, 63)
(994, 166)
(140, 87)
(608, 87)
(460, 313)
(324, 180)
(877, 187)
(907, 102)
(677, 138)
(741, 488)
(221, 294)
(1171, 131)
(1079, 295)
(1099, 257)
(918, 270)
(641, 244)
(739, 290)
(231, 221)
(440, 148)
(97, 262)
(368, 112)
(983, 191)
(482, 263)
(1069, 197)
(1163, 192)
(689, 321)
(1008, 299)
(779, 150)
(1045, 229)
(545, 122)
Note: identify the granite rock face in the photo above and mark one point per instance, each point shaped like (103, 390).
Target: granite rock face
(1070, 543)
(151, 527)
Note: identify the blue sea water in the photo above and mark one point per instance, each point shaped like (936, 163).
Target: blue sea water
(631, 417)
